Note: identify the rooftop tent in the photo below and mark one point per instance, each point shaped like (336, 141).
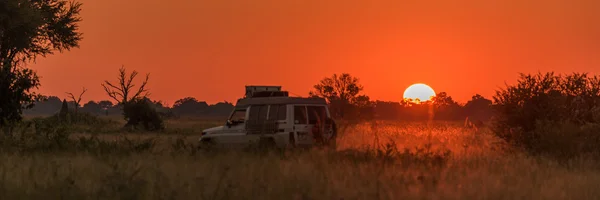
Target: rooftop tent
(244, 103)
(264, 91)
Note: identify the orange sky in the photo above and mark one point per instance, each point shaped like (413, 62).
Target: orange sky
(211, 49)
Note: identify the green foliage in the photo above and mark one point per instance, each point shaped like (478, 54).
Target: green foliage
(532, 110)
(15, 94)
(139, 112)
(30, 29)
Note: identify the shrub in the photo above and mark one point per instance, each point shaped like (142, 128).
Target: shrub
(64, 110)
(530, 113)
(139, 112)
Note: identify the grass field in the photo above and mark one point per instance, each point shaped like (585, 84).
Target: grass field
(374, 160)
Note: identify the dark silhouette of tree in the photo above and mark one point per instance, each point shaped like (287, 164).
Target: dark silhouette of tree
(123, 92)
(92, 107)
(158, 106)
(190, 106)
(48, 106)
(140, 112)
(64, 110)
(479, 108)
(29, 29)
(442, 99)
(221, 109)
(365, 108)
(445, 108)
(137, 107)
(77, 100)
(105, 105)
(388, 110)
(529, 113)
(341, 92)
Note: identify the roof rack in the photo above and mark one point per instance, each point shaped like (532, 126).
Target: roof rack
(254, 91)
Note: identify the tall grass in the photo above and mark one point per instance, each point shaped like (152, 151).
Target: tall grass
(374, 160)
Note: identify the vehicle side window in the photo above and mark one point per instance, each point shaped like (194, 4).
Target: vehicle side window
(300, 115)
(282, 113)
(273, 111)
(238, 115)
(277, 112)
(262, 113)
(316, 114)
(258, 112)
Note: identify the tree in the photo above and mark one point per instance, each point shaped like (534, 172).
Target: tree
(479, 108)
(442, 99)
(105, 105)
(550, 113)
(137, 108)
(388, 109)
(340, 91)
(92, 107)
(140, 112)
(49, 106)
(365, 108)
(446, 108)
(64, 110)
(122, 92)
(189, 106)
(77, 100)
(220, 109)
(29, 29)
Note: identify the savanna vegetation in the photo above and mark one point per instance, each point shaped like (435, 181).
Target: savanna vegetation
(536, 139)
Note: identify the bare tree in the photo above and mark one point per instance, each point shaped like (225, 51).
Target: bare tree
(77, 100)
(123, 91)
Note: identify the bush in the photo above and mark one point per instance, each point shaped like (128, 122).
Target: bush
(140, 112)
(531, 113)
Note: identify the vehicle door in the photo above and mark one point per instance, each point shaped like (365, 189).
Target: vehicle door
(277, 124)
(319, 125)
(255, 125)
(234, 130)
(301, 127)
(278, 115)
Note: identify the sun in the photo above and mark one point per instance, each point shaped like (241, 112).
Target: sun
(419, 92)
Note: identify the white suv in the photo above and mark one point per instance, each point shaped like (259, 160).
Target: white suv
(274, 119)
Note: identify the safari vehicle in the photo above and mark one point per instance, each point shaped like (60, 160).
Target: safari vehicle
(268, 116)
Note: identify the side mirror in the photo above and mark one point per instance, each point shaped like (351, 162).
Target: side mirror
(228, 123)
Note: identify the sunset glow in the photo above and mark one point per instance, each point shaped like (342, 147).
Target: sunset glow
(289, 99)
(211, 49)
(419, 92)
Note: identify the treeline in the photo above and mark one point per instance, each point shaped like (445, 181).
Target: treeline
(443, 107)
(188, 106)
(343, 93)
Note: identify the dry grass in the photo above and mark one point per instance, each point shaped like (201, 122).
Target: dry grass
(383, 160)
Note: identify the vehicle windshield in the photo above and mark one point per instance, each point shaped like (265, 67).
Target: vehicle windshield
(238, 116)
